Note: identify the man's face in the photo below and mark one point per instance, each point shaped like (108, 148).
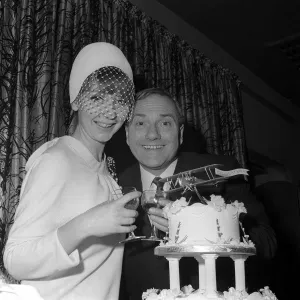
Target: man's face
(153, 134)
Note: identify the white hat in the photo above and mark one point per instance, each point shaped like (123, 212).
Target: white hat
(91, 58)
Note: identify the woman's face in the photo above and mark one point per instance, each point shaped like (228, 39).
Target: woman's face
(101, 126)
(104, 103)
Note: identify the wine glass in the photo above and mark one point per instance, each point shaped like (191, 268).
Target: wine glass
(132, 204)
(150, 199)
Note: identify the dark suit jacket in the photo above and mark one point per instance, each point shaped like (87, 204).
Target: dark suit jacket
(143, 270)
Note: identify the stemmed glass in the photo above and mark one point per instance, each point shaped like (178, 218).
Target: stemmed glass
(150, 199)
(132, 204)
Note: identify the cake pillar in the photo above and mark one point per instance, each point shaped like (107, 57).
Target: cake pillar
(201, 269)
(210, 275)
(174, 272)
(239, 266)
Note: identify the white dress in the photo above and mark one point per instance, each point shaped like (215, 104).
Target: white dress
(63, 180)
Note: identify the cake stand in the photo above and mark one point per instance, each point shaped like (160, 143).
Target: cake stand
(206, 256)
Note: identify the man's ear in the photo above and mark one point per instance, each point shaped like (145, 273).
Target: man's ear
(74, 106)
(181, 130)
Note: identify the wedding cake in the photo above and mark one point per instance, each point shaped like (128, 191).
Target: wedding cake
(206, 232)
(215, 223)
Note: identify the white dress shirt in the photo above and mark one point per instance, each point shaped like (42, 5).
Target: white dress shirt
(147, 177)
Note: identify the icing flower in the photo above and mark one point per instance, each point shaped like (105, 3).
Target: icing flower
(239, 206)
(150, 294)
(268, 294)
(187, 290)
(217, 202)
(174, 207)
(233, 294)
(155, 294)
(169, 294)
(255, 296)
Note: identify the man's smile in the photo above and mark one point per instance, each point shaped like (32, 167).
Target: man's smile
(152, 147)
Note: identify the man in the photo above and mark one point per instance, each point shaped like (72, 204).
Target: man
(154, 136)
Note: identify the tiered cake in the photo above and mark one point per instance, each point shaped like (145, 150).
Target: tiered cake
(206, 232)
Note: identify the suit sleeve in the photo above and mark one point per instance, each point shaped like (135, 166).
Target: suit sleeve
(255, 222)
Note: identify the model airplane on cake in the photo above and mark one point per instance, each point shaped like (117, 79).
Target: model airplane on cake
(195, 179)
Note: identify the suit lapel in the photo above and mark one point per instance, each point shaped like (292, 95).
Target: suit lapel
(135, 177)
(131, 177)
(185, 163)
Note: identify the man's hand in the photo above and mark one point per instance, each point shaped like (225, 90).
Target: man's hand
(157, 217)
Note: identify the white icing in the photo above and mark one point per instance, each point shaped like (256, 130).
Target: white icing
(239, 206)
(217, 202)
(188, 293)
(201, 224)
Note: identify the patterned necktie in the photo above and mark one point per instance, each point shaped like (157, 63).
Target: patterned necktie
(159, 187)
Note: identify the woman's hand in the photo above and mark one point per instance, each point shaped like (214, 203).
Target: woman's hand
(157, 217)
(112, 217)
(108, 218)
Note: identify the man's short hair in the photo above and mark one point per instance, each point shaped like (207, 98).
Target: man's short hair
(141, 95)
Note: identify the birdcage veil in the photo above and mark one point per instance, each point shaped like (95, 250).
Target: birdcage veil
(105, 91)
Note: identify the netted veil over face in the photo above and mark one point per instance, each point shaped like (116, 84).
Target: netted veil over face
(107, 91)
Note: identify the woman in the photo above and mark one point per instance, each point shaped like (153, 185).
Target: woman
(66, 234)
